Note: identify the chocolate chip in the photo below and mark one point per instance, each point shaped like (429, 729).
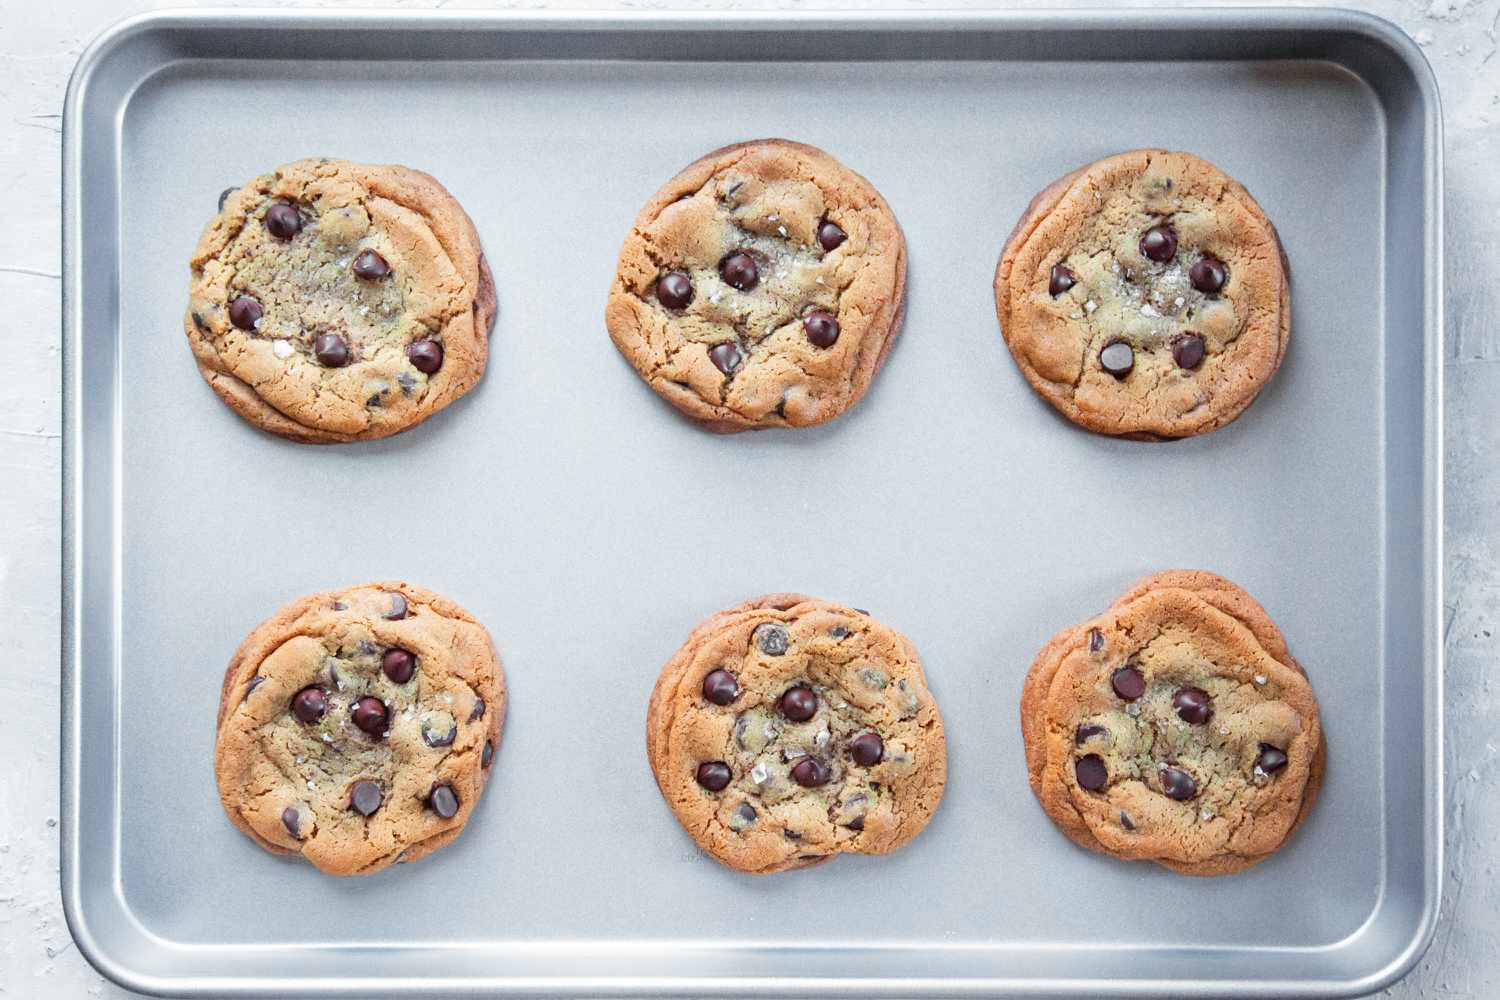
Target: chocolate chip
(438, 729)
(1117, 358)
(1159, 243)
(727, 357)
(1188, 351)
(867, 749)
(255, 682)
(406, 382)
(291, 821)
(333, 675)
(798, 704)
(1178, 784)
(398, 665)
(1192, 705)
(364, 797)
(838, 632)
(714, 775)
(283, 221)
(370, 266)
(398, 608)
(370, 715)
(477, 712)
(198, 322)
(830, 236)
(1088, 731)
(309, 704)
(791, 834)
(744, 815)
(223, 197)
(857, 823)
(331, 350)
(773, 639)
(721, 687)
(1271, 759)
(487, 754)
(443, 800)
(1128, 683)
(1126, 821)
(426, 356)
(1091, 772)
(1096, 640)
(821, 328)
(739, 271)
(1208, 274)
(674, 290)
(810, 772)
(245, 312)
(1061, 280)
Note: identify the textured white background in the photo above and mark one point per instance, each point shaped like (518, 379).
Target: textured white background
(39, 44)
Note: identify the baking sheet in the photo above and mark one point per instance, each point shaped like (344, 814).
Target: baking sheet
(590, 528)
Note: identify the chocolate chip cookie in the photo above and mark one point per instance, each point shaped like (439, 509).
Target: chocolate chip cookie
(1175, 728)
(762, 286)
(789, 730)
(1145, 295)
(358, 727)
(334, 301)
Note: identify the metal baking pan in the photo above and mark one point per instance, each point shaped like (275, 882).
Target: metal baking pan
(590, 528)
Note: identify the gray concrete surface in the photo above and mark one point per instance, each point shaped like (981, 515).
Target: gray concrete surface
(39, 44)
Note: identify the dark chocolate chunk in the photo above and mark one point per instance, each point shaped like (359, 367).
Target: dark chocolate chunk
(398, 607)
(1091, 772)
(714, 775)
(798, 704)
(291, 821)
(309, 704)
(1208, 274)
(283, 221)
(1117, 358)
(244, 312)
(1061, 279)
(739, 271)
(727, 357)
(674, 290)
(1088, 731)
(426, 356)
(772, 638)
(810, 772)
(364, 797)
(867, 749)
(1193, 705)
(370, 266)
(721, 687)
(1178, 784)
(443, 800)
(1159, 243)
(398, 665)
(487, 755)
(1188, 351)
(370, 715)
(332, 351)
(1129, 683)
(830, 236)
(1271, 759)
(821, 328)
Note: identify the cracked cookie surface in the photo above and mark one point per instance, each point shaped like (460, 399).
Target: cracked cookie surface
(789, 730)
(761, 287)
(1175, 727)
(334, 301)
(358, 727)
(1145, 295)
